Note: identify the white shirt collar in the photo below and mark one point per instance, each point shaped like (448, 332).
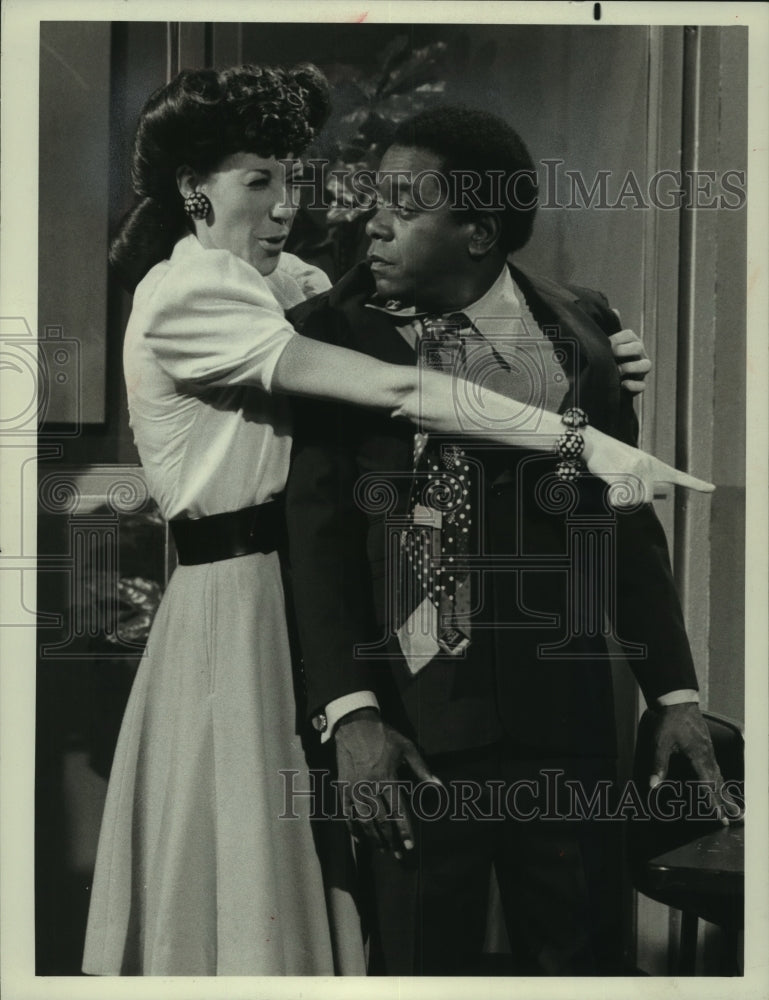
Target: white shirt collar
(500, 300)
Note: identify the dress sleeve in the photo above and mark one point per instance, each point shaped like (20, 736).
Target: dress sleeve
(311, 279)
(213, 321)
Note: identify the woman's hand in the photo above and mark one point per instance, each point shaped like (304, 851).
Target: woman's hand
(632, 361)
(631, 473)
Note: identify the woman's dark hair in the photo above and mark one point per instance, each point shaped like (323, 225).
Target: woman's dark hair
(484, 148)
(196, 120)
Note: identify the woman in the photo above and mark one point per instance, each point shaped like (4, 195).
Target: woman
(196, 874)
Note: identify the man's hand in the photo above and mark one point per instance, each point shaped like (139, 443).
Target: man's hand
(681, 727)
(632, 360)
(369, 754)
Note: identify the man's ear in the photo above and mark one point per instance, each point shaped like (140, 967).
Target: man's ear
(485, 234)
(187, 181)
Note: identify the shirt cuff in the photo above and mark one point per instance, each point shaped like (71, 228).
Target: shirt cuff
(678, 697)
(339, 707)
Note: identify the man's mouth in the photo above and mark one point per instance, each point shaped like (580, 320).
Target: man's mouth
(376, 262)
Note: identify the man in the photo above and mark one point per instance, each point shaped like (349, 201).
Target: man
(512, 692)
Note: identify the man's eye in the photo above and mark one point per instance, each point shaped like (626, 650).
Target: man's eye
(397, 208)
(258, 182)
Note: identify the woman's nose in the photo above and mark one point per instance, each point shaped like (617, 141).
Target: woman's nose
(284, 209)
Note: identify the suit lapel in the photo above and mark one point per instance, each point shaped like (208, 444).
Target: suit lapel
(587, 358)
(368, 330)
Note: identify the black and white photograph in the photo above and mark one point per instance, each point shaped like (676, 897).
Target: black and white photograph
(383, 517)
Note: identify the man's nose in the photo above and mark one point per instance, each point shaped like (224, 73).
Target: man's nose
(378, 226)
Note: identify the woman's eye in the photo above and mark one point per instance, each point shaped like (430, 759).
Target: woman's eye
(258, 182)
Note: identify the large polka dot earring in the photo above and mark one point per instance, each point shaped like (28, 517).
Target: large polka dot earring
(197, 205)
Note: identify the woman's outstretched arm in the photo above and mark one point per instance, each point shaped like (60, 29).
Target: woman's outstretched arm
(213, 323)
(442, 403)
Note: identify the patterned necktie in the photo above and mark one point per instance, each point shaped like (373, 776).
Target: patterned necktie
(435, 592)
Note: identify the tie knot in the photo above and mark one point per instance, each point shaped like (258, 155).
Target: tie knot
(442, 344)
(446, 327)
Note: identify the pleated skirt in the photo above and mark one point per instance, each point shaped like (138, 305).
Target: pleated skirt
(201, 867)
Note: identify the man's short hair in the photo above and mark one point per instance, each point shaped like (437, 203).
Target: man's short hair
(474, 142)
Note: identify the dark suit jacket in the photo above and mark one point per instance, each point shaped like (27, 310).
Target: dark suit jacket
(537, 670)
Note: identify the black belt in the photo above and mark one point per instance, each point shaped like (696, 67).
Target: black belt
(224, 536)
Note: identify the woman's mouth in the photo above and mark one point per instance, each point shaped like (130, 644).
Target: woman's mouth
(272, 242)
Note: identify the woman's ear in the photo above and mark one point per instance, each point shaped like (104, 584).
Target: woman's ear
(485, 234)
(187, 181)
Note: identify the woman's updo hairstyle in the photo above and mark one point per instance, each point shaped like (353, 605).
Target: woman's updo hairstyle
(196, 120)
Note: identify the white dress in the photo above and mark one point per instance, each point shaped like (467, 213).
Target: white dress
(196, 872)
